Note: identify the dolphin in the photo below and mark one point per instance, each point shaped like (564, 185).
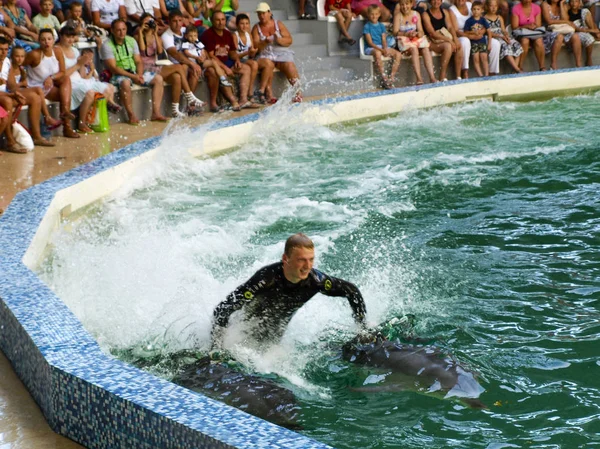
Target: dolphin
(421, 368)
(252, 394)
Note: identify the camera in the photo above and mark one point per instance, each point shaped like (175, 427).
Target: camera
(152, 24)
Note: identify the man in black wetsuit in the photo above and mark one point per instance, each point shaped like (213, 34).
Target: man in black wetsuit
(275, 292)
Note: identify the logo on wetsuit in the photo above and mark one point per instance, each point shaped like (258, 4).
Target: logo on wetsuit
(328, 284)
(248, 294)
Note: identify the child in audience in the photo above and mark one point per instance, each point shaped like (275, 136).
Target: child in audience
(379, 44)
(509, 47)
(45, 19)
(585, 27)
(342, 11)
(76, 21)
(194, 49)
(88, 72)
(477, 29)
(245, 47)
(411, 38)
(17, 70)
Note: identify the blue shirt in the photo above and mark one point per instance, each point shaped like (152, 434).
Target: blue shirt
(375, 30)
(474, 25)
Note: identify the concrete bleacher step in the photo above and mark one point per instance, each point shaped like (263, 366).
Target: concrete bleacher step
(309, 51)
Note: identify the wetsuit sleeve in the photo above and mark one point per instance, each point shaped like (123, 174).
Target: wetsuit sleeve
(331, 286)
(246, 292)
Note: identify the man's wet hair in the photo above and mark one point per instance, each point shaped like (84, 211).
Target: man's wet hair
(297, 241)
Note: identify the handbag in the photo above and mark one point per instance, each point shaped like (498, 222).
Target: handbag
(561, 28)
(22, 136)
(405, 43)
(530, 34)
(162, 58)
(97, 117)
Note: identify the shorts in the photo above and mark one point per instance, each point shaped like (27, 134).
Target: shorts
(479, 48)
(116, 80)
(3, 113)
(230, 63)
(391, 43)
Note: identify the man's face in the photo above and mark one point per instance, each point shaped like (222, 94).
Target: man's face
(3, 51)
(298, 264)
(120, 31)
(175, 23)
(218, 21)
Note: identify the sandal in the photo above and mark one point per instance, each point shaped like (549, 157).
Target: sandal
(160, 118)
(67, 116)
(43, 143)
(84, 129)
(272, 100)
(114, 108)
(350, 42)
(52, 123)
(260, 96)
(16, 148)
(70, 133)
(249, 105)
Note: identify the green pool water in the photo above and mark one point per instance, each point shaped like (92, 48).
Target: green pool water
(481, 219)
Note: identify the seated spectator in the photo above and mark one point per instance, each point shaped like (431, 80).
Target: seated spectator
(527, 15)
(151, 45)
(8, 102)
(411, 39)
(229, 7)
(46, 69)
(105, 12)
(27, 7)
(14, 68)
(25, 30)
(591, 7)
(341, 10)
(84, 87)
(585, 26)
(166, 6)
(509, 47)
(45, 19)
(302, 15)
(272, 40)
(172, 42)
(121, 55)
(219, 44)
(34, 99)
(477, 29)
(7, 29)
(201, 11)
(135, 9)
(246, 49)
(193, 49)
(444, 41)
(82, 32)
(461, 11)
(379, 44)
(360, 8)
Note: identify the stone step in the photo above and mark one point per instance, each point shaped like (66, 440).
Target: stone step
(309, 51)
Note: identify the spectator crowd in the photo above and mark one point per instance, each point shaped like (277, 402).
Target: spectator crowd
(143, 43)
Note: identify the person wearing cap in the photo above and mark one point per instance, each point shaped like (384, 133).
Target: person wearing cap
(219, 44)
(271, 297)
(272, 39)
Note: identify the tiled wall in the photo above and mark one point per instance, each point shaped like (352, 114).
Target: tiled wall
(102, 402)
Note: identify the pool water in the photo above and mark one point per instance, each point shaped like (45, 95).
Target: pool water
(481, 219)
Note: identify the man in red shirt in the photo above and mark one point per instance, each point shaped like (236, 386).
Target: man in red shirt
(219, 44)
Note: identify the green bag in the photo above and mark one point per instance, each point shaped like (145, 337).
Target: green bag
(99, 120)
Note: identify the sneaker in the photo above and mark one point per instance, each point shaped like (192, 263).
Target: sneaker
(225, 82)
(176, 113)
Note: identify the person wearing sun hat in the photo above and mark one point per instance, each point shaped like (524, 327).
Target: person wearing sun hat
(272, 39)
